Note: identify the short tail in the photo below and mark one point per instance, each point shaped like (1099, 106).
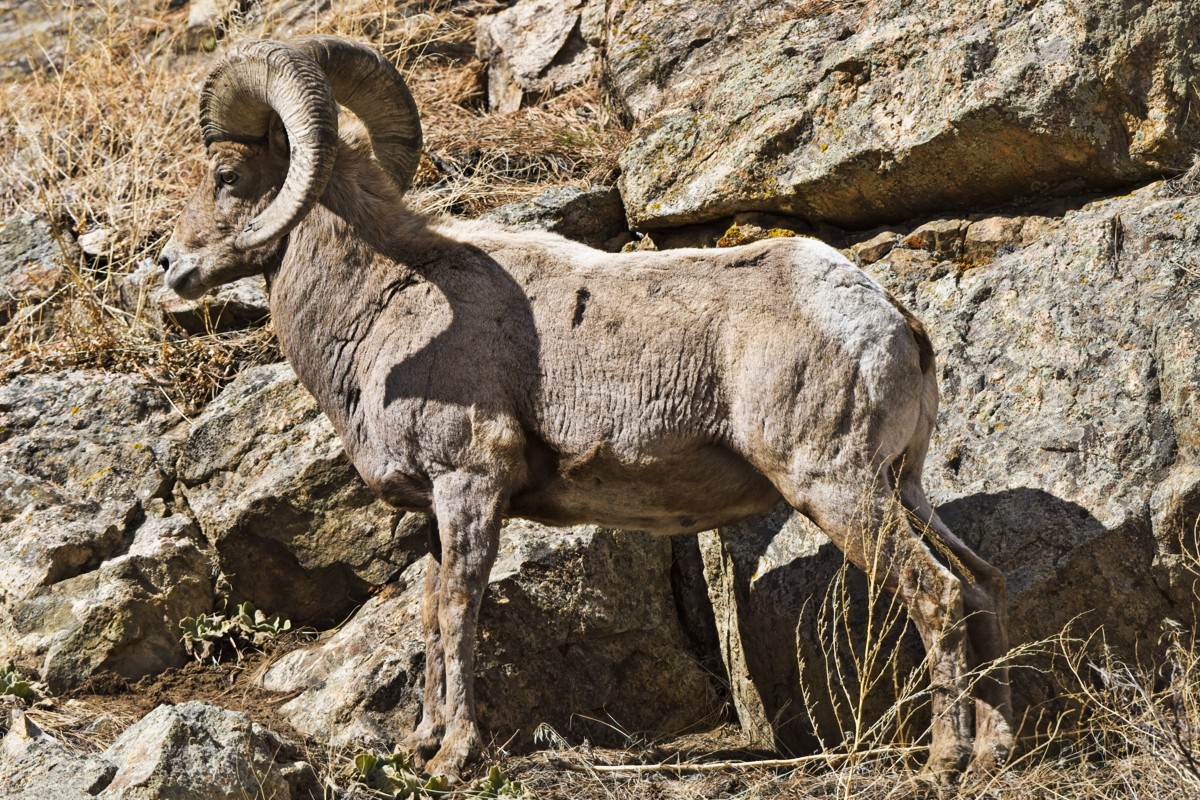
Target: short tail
(909, 467)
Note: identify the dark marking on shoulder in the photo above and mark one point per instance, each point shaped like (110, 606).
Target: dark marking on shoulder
(924, 345)
(399, 285)
(582, 295)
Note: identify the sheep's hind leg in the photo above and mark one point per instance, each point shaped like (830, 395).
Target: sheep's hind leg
(860, 515)
(468, 509)
(987, 629)
(427, 738)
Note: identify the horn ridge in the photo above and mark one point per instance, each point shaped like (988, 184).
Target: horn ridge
(256, 80)
(371, 86)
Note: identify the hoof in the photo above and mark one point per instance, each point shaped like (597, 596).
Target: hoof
(988, 760)
(932, 785)
(456, 754)
(993, 747)
(941, 775)
(424, 742)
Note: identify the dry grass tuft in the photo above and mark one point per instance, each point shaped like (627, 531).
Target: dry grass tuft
(98, 131)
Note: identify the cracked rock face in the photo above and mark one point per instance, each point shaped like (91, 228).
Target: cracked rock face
(861, 114)
(1068, 436)
(539, 47)
(293, 527)
(95, 569)
(577, 626)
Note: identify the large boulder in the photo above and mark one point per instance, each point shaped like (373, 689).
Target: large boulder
(578, 630)
(193, 751)
(293, 527)
(1070, 433)
(837, 115)
(1067, 453)
(96, 569)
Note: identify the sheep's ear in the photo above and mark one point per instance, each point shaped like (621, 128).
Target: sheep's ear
(277, 137)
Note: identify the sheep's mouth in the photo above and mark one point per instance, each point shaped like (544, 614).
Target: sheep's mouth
(183, 283)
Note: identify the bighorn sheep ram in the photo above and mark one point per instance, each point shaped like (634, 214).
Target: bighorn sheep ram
(477, 373)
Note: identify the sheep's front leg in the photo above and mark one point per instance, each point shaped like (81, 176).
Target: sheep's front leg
(427, 738)
(468, 509)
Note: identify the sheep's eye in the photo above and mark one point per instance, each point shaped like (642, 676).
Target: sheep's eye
(227, 177)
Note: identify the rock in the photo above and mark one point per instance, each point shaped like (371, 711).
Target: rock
(95, 569)
(96, 242)
(991, 235)
(122, 617)
(942, 237)
(577, 625)
(876, 247)
(210, 13)
(1067, 453)
(832, 115)
(194, 750)
(778, 579)
(35, 766)
(205, 20)
(293, 527)
(198, 751)
(666, 51)
(537, 48)
(34, 257)
(594, 216)
(754, 227)
(234, 306)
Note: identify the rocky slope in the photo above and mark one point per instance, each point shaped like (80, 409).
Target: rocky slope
(1007, 169)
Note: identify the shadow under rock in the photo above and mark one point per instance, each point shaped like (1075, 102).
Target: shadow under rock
(768, 577)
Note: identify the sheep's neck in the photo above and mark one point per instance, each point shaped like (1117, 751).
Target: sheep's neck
(326, 297)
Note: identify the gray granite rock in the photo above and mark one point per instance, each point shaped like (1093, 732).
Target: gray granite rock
(578, 630)
(96, 569)
(838, 115)
(293, 527)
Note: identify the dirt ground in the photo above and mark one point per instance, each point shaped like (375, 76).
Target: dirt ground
(91, 717)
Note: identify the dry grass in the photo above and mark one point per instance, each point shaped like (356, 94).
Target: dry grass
(101, 134)
(1111, 729)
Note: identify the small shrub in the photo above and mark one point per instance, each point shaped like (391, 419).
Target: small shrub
(212, 636)
(16, 684)
(497, 784)
(393, 776)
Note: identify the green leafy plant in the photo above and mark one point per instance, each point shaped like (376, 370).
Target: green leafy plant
(257, 627)
(215, 635)
(16, 684)
(497, 784)
(393, 776)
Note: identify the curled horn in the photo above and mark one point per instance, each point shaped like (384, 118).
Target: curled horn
(369, 85)
(255, 80)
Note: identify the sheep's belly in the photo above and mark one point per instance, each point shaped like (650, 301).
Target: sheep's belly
(693, 492)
